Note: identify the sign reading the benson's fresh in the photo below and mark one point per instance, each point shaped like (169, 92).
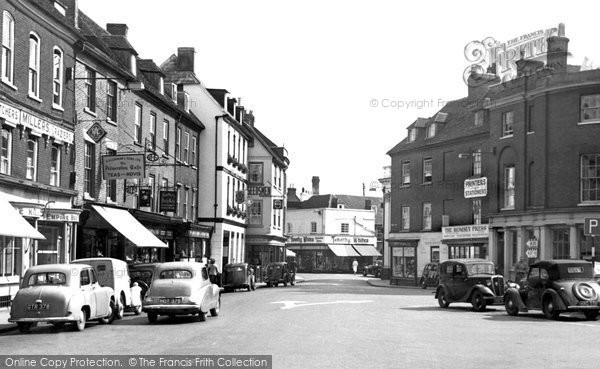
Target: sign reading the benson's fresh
(123, 166)
(475, 187)
(466, 231)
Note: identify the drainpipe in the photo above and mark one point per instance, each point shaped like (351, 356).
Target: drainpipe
(216, 205)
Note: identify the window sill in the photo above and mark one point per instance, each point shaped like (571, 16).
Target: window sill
(586, 122)
(426, 183)
(508, 208)
(57, 107)
(507, 136)
(530, 133)
(33, 97)
(110, 121)
(88, 111)
(194, 167)
(589, 203)
(87, 197)
(9, 84)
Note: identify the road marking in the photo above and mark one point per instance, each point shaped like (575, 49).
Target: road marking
(295, 304)
(321, 283)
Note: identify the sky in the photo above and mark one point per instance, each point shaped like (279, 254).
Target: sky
(338, 82)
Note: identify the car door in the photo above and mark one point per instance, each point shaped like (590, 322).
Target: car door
(448, 278)
(460, 281)
(89, 298)
(535, 287)
(100, 295)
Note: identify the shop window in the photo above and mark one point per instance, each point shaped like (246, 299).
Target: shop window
(32, 157)
(10, 256)
(186, 148)
(560, 243)
(49, 251)
(590, 178)
(5, 151)
(403, 262)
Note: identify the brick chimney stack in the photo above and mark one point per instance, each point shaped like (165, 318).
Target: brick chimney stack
(72, 11)
(117, 29)
(558, 50)
(315, 185)
(185, 59)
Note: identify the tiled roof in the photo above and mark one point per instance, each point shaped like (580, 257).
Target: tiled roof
(118, 42)
(169, 66)
(148, 65)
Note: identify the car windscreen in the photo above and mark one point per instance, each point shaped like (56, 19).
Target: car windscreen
(176, 274)
(41, 279)
(480, 268)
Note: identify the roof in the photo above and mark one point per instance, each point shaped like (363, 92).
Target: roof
(118, 42)
(271, 147)
(350, 201)
(148, 65)
(173, 75)
(56, 268)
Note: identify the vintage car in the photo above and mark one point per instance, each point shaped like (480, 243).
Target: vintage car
(430, 276)
(238, 275)
(113, 273)
(142, 274)
(554, 287)
(181, 288)
(469, 280)
(374, 269)
(278, 272)
(59, 294)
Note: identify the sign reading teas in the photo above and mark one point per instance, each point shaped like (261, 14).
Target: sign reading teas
(475, 187)
(127, 166)
(467, 231)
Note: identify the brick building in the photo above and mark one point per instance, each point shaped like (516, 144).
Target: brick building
(37, 140)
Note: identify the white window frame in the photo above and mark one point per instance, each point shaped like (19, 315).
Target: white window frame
(34, 65)
(5, 152)
(508, 122)
(137, 134)
(427, 216)
(55, 165)
(90, 89)
(431, 130)
(166, 136)
(193, 212)
(8, 48)
(255, 212)
(592, 105)
(31, 161)
(476, 167)
(178, 144)
(111, 100)
(57, 78)
(194, 143)
(405, 218)
(509, 186)
(427, 169)
(406, 173)
(186, 148)
(412, 134)
(591, 178)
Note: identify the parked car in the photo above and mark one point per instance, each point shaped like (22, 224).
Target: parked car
(556, 286)
(59, 294)
(430, 276)
(142, 274)
(181, 288)
(113, 273)
(279, 272)
(238, 275)
(469, 280)
(374, 269)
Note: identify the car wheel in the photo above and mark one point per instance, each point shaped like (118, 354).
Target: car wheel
(152, 317)
(378, 275)
(24, 327)
(478, 301)
(591, 314)
(423, 284)
(268, 284)
(549, 309)
(109, 319)
(215, 311)
(285, 282)
(511, 306)
(364, 272)
(202, 316)
(252, 284)
(81, 320)
(138, 310)
(442, 301)
(275, 284)
(121, 308)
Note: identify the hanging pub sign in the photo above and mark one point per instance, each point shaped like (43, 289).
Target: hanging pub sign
(277, 204)
(96, 132)
(145, 197)
(168, 201)
(240, 197)
(128, 166)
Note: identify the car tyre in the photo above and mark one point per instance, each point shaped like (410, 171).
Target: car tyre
(442, 301)
(252, 284)
(549, 309)
(268, 284)
(109, 319)
(120, 308)
(202, 316)
(511, 306)
(591, 314)
(478, 301)
(423, 284)
(215, 311)
(137, 310)
(81, 320)
(364, 272)
(378, 274)
(24, 327)
(152, 317)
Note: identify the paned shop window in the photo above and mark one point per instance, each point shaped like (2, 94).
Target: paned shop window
(8, 47)
(590, 178)
(111, 101)
(590, 108)
(405, 172)
(560, 243)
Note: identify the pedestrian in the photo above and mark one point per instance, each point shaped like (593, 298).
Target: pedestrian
(293, 269)
(520, 269)
(213, 271)
(354, 266)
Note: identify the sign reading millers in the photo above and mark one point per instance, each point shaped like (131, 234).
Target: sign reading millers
(127, 166)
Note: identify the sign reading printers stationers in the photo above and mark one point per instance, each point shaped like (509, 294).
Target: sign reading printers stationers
(475, 187)
(128, 166)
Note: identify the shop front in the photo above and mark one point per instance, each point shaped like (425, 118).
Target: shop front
(192, 242)
(404, 262)
(467, 241)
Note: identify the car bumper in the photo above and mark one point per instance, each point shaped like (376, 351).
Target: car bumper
(172, 309)
(63, 319)
(582, 307)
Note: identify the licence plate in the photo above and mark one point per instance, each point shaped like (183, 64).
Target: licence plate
(170, 300)
(38, 306)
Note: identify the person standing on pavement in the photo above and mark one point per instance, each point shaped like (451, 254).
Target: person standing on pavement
(213, 271)
(520, 269)
(354, 266)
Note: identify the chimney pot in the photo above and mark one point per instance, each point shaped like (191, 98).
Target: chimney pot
(117, 29)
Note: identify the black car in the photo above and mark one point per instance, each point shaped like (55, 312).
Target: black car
(554, 287)
(279, 272)
(430, 276)
(374, 269)
(469, 280)
(238, 275)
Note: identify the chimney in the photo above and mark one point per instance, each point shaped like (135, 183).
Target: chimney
(72, 11)
(117, 29)
(479, 82)
(315, 185)
(231, 105)
(558, 50)
(367, 204)
(185, 59)
(249, 120)
(239, 113)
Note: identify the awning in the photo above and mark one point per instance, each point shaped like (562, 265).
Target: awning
(343, 250)
(129, 227)
(12, 224)
(366, 250)
(289, 253)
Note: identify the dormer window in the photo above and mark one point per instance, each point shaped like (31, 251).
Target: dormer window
(412, 134)
(170, 90)
(431, 130)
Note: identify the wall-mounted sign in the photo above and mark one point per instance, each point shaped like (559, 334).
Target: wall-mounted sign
(475, 187)
(168, 201)
(42, 126)
(128, 166)
(277, 204)
(240, 197)
(532, 248)
(145, 197)
(96, 132)
(262, 191)
(467, 231)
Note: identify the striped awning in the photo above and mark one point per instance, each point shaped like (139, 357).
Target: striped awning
(366, 250)
(343, 250)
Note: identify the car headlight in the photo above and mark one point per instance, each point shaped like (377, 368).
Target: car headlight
(488, 283)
